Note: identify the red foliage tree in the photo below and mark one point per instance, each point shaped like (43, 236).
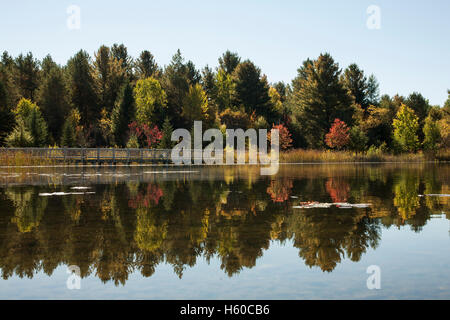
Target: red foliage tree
(145, 134)
(280, 190)
(338, 136)
(284, 136)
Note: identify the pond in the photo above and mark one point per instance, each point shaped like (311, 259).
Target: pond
(310, 232)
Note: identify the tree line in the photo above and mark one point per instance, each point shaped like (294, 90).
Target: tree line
(113, 99)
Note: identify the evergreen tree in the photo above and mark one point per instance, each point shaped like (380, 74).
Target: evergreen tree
(109, 76)
(30, 115)
(356, 83)
(146, 66)
(83, 89)
(120, 53)
(122, 115)
(20, 137)
(319, 97)
(229, 61)
(27, 75)
(175, 82)
(53, 98)
(252, 91)
(69, 136)
(373, 91)
(167, 129)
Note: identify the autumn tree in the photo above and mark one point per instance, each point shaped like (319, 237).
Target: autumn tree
(338, 136)
(195, 106)
(30, 116)
(284, 136)
(432, 134)
(406, 125)
(150, 100)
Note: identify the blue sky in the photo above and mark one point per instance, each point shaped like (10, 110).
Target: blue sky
(411, 51)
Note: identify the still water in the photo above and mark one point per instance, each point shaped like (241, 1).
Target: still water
(310, 232)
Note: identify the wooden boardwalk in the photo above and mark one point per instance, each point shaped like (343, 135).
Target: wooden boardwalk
(95, 155)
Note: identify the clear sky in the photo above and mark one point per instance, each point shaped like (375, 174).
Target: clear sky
(410, 52)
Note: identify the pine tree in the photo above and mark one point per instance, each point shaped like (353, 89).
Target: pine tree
(53, 98)
(229, 61)
(122, 115)
(167, 129)
(251, 90)
(146, 66)
(27, 75)
(83, 88)
(356, 83)
(318, 98)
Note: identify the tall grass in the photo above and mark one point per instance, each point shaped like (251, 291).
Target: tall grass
(307, 156)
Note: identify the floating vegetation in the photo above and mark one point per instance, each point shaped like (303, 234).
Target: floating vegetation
(46, 194)
(325, 205)
(173, 171)
(80, 188)
(434, 195)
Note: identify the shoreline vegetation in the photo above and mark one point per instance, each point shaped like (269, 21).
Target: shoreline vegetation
(113, 100)
(294, 156)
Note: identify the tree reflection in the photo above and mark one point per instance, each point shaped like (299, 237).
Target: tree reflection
(135, 226)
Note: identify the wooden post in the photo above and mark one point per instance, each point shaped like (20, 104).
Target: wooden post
(64, 154)
(98, 155)
(142, 155)
(128, 156)
(114, 156)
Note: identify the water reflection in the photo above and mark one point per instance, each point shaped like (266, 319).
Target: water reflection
(134, 219)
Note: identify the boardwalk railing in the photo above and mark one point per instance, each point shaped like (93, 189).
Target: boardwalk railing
(93, 155)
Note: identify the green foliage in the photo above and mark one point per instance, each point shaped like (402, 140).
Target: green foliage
(195, 106)
(52, 97)
(83, 95)
(229, 61)
(252, 91)
(109, 77)
(432, 135)
(70, 131)
(358, 139)
(319, 97)
(235, 119)
(122, 115)
(150, 100)
(146, 65)
(27, 75)
(20, 137)
(167, 129)
(225, 90)
(133, 142)
(406, 125)
(30, 115)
